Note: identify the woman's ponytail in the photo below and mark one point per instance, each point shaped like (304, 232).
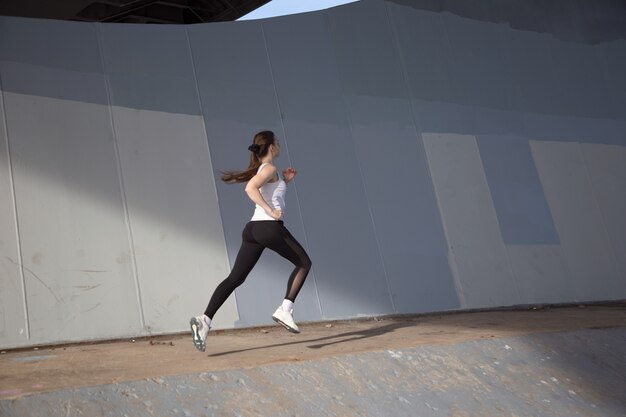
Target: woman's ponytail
(259, 148)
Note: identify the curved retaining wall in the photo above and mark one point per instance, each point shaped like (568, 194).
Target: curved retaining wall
(465, 157)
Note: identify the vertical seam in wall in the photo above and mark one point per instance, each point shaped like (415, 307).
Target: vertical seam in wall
(282, 124)
(208, 148)
(602, 220)
(358, 163)
(121, 177)
(15, 211)
(460, 292)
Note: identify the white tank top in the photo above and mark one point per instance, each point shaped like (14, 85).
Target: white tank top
(274, 194)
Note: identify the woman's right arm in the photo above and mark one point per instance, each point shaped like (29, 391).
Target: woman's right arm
(256, 182)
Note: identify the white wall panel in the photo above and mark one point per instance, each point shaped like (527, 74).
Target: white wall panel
(483, 273)
(174, 216)
(593, 270)
(75, 249)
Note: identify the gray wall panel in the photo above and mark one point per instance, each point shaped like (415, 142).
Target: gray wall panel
(479, 71)
(13, 313)
(579, 88)
(532, 76)
(349, 272)
(507, 119)
(239, 100)
(149, 68)
(53, 82)
(150, 92)
(612, 59)
(407, 223)
(433, 116)
(50, 43)
(430, 73)
(146, 50)
(242, 66)
(497, 122)
(436, 92)
(365, 52)
(51, 58)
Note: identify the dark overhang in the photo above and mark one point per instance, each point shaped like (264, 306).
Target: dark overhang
(132, 11)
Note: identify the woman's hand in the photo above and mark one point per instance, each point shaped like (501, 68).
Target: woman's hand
(275, 214)
(289, 174)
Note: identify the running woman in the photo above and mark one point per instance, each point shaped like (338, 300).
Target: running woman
(264, 230)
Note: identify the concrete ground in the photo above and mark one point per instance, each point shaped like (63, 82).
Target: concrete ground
(561, 361)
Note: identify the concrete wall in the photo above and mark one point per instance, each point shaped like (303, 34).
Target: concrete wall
(451, 157)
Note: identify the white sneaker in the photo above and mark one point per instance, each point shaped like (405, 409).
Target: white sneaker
(285, 318)
(199, 332)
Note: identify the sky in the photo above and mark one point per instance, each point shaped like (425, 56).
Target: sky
(284, 7)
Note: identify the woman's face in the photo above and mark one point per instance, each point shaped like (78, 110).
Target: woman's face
(276, 146)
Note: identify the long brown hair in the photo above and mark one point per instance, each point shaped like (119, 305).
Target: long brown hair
(259, 148)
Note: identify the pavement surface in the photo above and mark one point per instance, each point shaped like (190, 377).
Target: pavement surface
(560, 361)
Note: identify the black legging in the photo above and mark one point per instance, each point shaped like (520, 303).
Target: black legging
(258, 235)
